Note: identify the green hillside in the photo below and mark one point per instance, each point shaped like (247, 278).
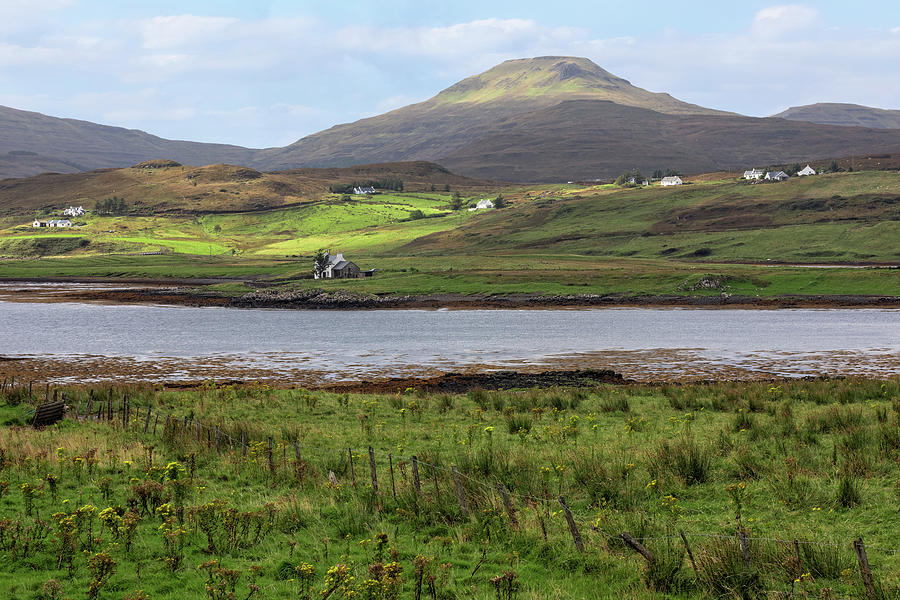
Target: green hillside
(558, 239)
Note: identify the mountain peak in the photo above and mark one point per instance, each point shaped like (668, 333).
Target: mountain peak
(547, 80)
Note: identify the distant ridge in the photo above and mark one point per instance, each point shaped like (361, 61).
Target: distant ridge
(845, 115)
(83, 145)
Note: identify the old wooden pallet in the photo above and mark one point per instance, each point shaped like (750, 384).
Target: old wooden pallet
(49, 413)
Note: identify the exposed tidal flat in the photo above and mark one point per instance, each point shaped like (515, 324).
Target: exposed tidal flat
(51, 338)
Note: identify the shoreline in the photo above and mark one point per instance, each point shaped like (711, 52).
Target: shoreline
(342, 300)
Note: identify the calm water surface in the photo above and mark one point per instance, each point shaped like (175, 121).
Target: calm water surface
(164, 342)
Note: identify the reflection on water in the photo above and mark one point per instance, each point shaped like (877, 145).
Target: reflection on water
(83, 342)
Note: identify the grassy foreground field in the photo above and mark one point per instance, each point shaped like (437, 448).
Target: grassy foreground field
(186, 497)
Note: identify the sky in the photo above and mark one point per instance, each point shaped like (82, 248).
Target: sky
(265, 73)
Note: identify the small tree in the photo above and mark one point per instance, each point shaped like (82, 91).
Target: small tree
(456, 201)
(499, 201)
(320, 263)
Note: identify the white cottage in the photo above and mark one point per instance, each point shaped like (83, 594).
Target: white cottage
(673, 180)
(754, 174)
(806, 171)
(363, 190)
(337, 267)
(777, 176)
(74, 211)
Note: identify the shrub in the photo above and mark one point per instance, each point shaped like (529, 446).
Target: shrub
(725, 573)
(848, 492)
(684, 459)
(615, 403)
(517, 422)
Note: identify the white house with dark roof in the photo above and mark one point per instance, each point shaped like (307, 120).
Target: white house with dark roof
(337, 267)
(754, 174)
(777, 176)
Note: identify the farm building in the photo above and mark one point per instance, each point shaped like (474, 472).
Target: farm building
(337, 267)
(74, 211)
(52, 223)
(777, 176)
(754, 174)
(674, 180)
(808, 170)
(362, 190)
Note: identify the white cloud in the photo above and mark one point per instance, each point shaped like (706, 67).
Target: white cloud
(271, 79)
(183, 30)
(781, 20)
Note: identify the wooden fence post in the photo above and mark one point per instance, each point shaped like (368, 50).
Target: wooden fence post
(573, 528)
(744, 542)
(352, 470)
(296, 451)
(415, 471)
(243, 443)
(510, 511)
(690, 555)
(155, 423)
(218, 446)
(460, 493)
(391, 465)
(799, 558)
(372, 469)
(147, 420)
(864, 570)
(637, 546)
(90, 406)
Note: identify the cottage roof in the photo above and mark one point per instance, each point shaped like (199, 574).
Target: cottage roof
(340, 265)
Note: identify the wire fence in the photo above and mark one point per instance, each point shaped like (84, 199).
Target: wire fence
(493, 493)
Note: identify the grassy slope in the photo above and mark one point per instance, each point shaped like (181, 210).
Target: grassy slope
(817, 461)
(552, 239)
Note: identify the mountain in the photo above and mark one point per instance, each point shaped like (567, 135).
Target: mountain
(585, 139)
(460, 114)
(82, 145)
(556, 118)
(846, 115)
(549, 118)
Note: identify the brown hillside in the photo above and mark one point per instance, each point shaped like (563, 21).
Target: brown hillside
(84, 145)
(214, 188)
(586, 139)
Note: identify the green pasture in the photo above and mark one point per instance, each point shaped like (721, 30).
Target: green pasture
(550, 239)
(104, 509)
